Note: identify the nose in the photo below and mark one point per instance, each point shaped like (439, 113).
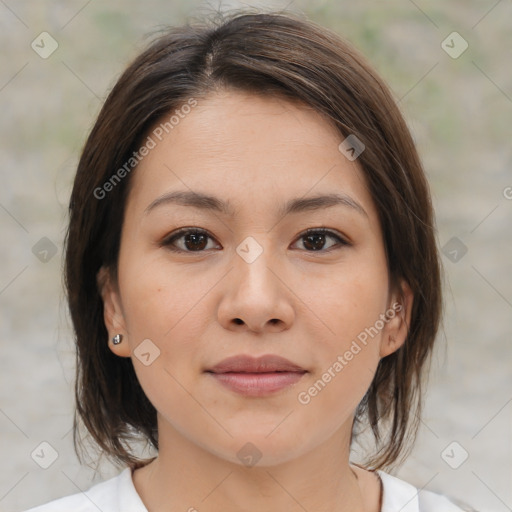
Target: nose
(256, 296)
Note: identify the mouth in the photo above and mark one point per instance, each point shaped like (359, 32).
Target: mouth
(260, 376)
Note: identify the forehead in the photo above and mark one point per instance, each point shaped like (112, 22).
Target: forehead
(248, 150)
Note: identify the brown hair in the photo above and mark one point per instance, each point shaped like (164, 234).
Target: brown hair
(270, 53)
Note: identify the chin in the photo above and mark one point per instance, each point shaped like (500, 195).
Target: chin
(256, 448)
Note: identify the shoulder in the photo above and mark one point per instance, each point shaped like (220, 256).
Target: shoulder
(400, 495)
(117, 494)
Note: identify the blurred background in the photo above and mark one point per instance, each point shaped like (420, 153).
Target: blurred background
(448, 65)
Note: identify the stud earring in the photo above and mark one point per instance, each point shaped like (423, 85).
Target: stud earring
(117, 339)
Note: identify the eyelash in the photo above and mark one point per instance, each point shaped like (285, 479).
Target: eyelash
(168, 241)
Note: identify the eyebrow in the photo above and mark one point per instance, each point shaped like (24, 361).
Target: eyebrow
(211, 203)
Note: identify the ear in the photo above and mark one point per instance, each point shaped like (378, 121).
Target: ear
(112, 312)
(398, 316)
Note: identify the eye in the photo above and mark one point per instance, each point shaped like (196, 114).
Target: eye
(314, 239)
(194, 240)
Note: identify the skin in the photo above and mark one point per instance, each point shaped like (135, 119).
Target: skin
(307, 306)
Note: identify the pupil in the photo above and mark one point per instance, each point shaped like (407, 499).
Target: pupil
(194, 239)
(317, 239)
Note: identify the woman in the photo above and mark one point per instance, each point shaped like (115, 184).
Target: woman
(252, 276)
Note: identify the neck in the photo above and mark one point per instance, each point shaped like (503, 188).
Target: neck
(184, 476)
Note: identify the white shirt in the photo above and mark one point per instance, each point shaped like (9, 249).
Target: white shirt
(118, 494)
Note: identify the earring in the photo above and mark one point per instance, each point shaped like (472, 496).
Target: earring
(117, 339)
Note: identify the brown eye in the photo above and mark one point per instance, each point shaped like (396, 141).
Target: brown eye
(315, 239)
(191, 240)
(196, 240)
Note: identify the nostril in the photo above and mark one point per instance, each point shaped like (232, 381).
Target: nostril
(238, 321)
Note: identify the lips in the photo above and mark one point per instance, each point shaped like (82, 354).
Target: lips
(249, 376)
(263, 364)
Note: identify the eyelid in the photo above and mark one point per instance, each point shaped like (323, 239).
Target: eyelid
(326, 231)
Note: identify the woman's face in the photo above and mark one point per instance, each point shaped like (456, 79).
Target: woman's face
(244, 279)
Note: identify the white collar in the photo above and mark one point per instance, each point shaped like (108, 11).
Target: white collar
(129, 499)
(396, 494)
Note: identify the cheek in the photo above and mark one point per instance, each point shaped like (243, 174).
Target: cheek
(165, 306)
(353, 302)
(347, 363)
(351, 307)
(161, 300)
